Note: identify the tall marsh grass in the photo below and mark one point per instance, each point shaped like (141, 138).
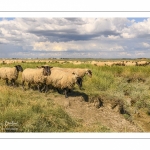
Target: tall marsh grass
(36, 112)
(32, 112)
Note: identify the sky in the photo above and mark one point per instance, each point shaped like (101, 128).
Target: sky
(79, 37)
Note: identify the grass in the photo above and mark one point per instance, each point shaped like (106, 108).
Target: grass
(32, 111)
(37, 112)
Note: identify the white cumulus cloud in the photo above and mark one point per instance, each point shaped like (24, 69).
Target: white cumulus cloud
(85, 35)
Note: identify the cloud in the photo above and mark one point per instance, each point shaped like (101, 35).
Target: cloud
(146, 45)
(86, 46)
(95, 37)
(137, 30)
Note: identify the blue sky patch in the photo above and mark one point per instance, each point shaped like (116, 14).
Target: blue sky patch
(10, 18)
(138, 19)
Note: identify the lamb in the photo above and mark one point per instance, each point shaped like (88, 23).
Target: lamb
(10, 73)
(62, 80)
(35, 76)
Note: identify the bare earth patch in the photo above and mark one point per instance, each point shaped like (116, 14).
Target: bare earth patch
(91, 114)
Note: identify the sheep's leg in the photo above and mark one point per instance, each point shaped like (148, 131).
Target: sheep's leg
(58, 90)
(44, 88)
(69, 91)
(78, 85)
(13, 82)
(39, 87)
(29, 85)
(7, 82)
(66, 93)
(79, 82)
(23, 85)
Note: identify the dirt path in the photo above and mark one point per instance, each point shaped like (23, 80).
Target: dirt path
(77, 108)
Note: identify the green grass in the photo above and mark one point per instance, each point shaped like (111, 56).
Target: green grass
(33, 112)
(37, 112)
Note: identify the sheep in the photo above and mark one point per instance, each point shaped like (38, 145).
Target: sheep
(94, 62)
(109, 63)
(79, 71)
(35, 76)
(129, 63)
(142, 63)
(62, 80)
(100, 64)
(10, 73)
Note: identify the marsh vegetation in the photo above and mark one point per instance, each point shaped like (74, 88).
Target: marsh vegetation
(115, 99)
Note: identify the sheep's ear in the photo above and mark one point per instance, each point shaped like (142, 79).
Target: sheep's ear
(16, 67)
(74, 74)
(19, 68)
(90, 71)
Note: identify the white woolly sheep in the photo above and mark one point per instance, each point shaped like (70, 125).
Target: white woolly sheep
(142, 63)
(79, 71)
(129, 63)
(62, 80)
(35, 76)
(100, 64)
(10, 73)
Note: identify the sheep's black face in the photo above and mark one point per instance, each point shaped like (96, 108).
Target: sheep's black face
(79, 82)
(47, 70)
(89, 72)
(19, 68)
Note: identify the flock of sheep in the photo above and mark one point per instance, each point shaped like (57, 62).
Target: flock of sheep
(120, 63)
(138, 62)
(45, 76)
(59, 78)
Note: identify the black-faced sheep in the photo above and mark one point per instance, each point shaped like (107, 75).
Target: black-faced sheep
(142, 63)
(63, 80)
(81, 72)
(35, 76)
(10, 73)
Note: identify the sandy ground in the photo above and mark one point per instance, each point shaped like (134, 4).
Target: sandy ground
(77, 107)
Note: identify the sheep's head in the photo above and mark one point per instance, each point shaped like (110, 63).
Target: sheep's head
(19, 68)
(89, 73)
(46, 70)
